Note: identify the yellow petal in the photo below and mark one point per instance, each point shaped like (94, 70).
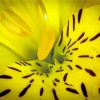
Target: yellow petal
(40, 80)
(91, 2)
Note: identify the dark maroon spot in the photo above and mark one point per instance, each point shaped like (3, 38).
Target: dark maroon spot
(70, 67)
(22, 93)
(83, 56)
(51, 67)
(34, 70)
(5, 92)
(68, 51)
(84, 40)
(69, 42)
(5, 77)
(72, 90)
(61, 39)
(72, 44)
(65, 77)
(42, 81)
(41, 74)
(65, 55)
(90, 72)
(69, 60)
(79, 67)
(27, 76)
(60, 67)
(71, 53)
(31, 81)
(57, 70)
(27, 63)
(54, 83)
(64, 49)
(41, 91)
(55, 95)
(74, 49)
(47, 75)
(18, 63)
(37, 73)
(23, 63)
(99, 90)
(81, 36)
(38, 64)
(84, 90)
(67, 30)
(99, 17)
(91, 57)
(73, 22)
(60, 70)
(98, 56)
(79, 15)
(57, 80)
(68, 84)
(15, 69)
(95, 37)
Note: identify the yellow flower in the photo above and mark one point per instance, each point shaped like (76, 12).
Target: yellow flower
(54, 45)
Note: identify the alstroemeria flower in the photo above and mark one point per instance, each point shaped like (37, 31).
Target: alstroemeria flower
(74, 72)
(23, 23)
